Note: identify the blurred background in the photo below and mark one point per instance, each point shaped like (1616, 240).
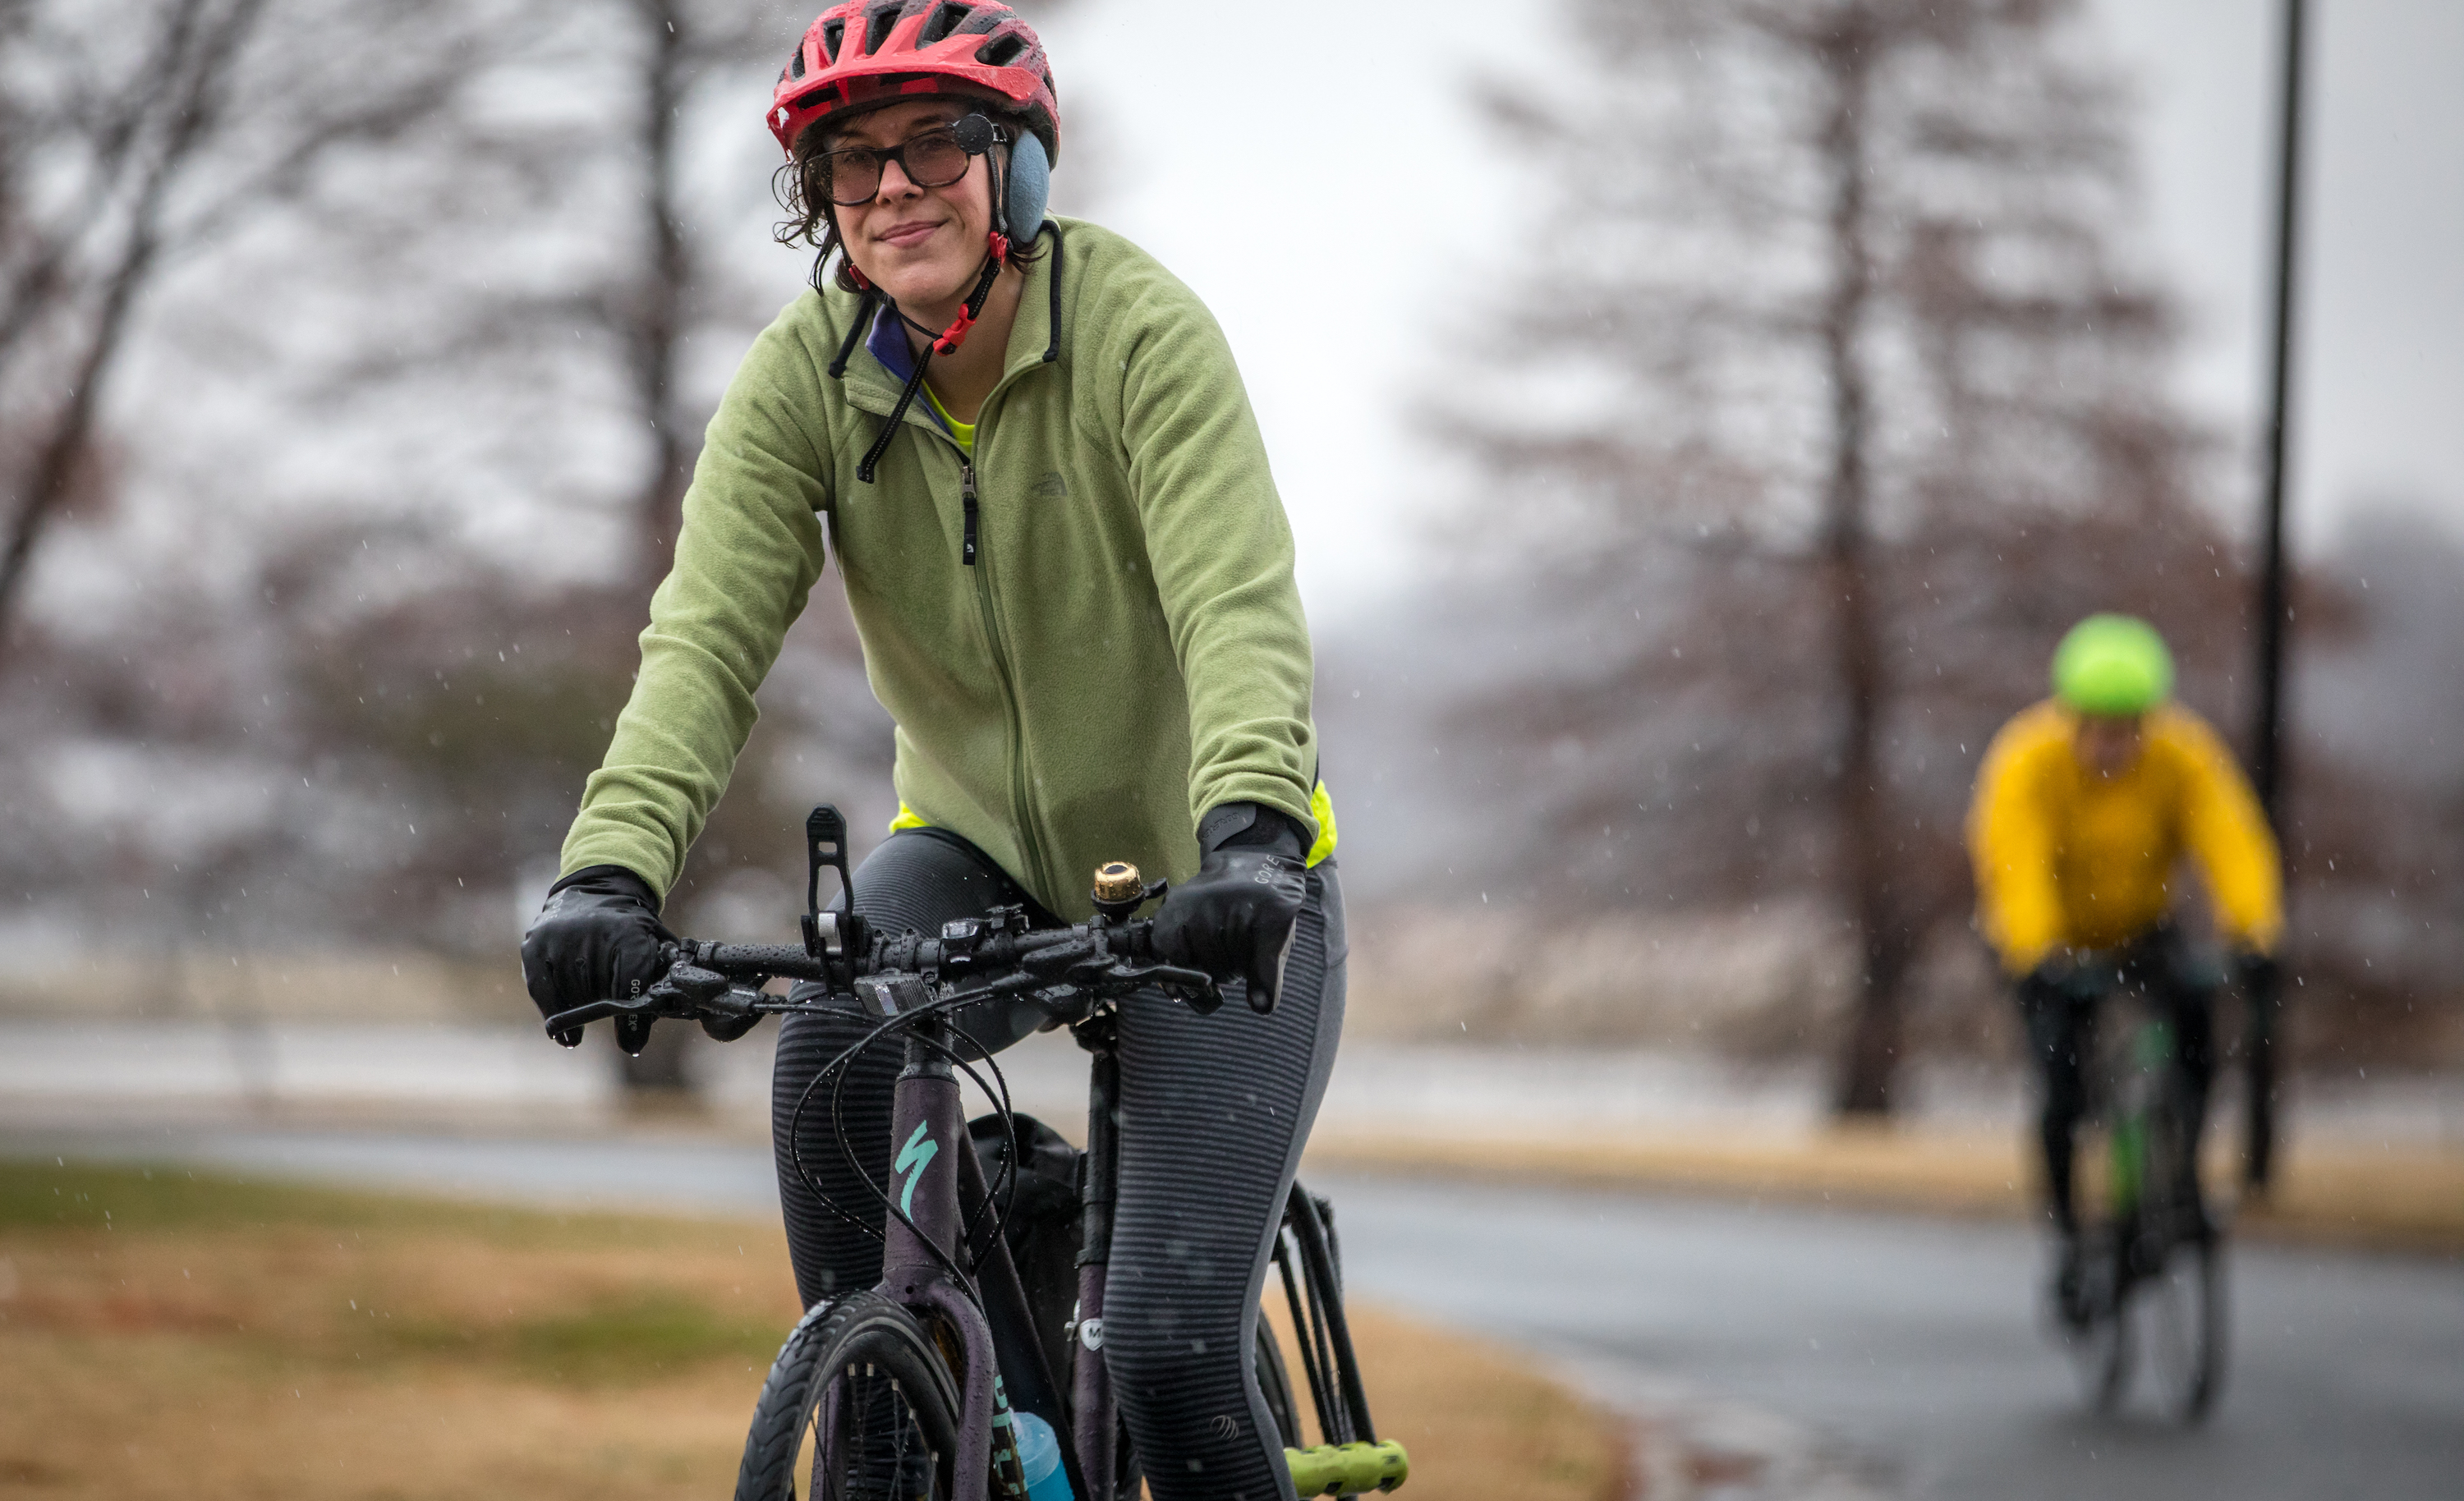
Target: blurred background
(354, 364)
(353, 361)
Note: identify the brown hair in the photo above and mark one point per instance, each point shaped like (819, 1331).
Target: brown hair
(812, 219)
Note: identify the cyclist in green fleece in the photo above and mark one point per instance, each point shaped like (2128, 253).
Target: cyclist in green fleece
(1073, 582)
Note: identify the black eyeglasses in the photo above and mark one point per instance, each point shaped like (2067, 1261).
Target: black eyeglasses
(935, 159)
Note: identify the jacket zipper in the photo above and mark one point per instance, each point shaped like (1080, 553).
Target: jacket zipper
(967, 496)
(1028, 849)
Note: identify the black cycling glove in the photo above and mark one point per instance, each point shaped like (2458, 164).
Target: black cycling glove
(1236, 917)
(597, 939)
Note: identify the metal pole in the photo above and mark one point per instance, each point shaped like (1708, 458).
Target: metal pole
(2267, 736)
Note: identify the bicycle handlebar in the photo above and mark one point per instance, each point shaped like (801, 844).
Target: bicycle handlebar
(973, 959)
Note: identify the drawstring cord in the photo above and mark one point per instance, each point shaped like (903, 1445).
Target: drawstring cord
(1052, 351)
(947, 342)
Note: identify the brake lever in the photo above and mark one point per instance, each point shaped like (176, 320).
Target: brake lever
(1204, 1000)
(568, 1025)
(686, 992)
(1195, 988)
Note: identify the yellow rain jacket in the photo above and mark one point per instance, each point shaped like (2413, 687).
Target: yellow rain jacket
(2068, 859)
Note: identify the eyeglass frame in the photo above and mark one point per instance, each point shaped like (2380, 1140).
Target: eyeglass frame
(972, 144)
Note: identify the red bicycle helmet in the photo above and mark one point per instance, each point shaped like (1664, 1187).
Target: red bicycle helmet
(868, 53)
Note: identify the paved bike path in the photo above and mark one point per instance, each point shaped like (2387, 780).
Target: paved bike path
(1803, 1352)
(1777, 1351)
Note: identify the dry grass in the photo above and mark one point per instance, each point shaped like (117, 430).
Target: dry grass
(1475, 1421)
(2391, 1200)
(162, 1335)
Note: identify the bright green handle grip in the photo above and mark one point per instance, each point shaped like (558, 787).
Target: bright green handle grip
(1348, 1469)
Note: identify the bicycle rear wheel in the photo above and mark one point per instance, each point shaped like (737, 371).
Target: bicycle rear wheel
(860, 1405)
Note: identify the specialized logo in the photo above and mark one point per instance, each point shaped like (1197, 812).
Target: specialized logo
(918, 1151)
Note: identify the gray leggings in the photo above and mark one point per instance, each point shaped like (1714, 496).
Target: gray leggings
(1213, 1112)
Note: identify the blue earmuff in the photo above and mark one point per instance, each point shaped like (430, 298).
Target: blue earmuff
(1030, 187)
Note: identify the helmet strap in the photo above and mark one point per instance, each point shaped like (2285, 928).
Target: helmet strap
(946, 343)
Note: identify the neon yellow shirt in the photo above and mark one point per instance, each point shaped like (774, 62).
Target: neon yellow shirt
(963, 434)
(1320, 808)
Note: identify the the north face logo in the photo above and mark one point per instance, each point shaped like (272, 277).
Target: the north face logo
(1052, 487)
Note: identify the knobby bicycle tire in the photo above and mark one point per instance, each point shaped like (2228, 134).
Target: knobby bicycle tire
(862, 1336)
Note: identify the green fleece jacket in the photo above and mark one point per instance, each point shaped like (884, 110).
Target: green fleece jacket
(1126, 652)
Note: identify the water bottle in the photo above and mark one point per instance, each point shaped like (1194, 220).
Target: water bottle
(1039, 1454)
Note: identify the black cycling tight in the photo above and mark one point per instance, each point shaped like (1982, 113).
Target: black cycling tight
(2062, 1033)
(1213, 1112)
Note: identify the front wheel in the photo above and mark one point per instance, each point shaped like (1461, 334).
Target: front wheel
(2175, 1308)
(2176, 1316)
(2094, 1333)
(860, 1405)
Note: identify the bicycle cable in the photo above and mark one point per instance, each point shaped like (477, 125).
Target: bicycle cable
(997, 1191)
(840, 1068)
(847, 1150)
(796, 1126)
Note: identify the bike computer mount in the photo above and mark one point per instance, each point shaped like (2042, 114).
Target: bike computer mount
(829, 935)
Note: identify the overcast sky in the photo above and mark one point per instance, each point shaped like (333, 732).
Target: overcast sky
(1304, 188)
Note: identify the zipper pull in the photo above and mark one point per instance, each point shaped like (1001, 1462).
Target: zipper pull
(967, 493)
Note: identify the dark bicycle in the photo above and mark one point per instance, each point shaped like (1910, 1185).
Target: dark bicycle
(2150, 1293)
(929, 1382)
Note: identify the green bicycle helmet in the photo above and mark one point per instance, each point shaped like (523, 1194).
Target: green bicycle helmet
(2112, 666)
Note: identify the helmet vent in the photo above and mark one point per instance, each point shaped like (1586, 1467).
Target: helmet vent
(796, 63)
(1001, 52)
(945, 20)
(878, 23)
(832, 35)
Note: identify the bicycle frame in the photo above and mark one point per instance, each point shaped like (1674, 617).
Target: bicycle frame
(933, 1174)
(2137, 1093)
(2133, 1078)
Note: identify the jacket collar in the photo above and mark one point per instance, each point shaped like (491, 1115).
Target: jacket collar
(872, 385)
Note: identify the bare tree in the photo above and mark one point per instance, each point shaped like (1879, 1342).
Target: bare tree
(132, 135)
(365, 626)
(655, 293)
(1839, 399)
